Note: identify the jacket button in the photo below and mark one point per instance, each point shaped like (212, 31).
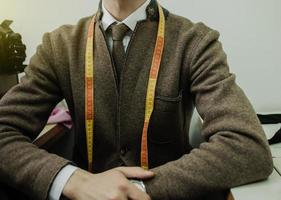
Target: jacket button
(123, 151)
(151, 11)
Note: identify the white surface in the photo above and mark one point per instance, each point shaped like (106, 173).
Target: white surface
(269, 189)
(250, 33)
(276, 150)
(271, 129)
(277, 164)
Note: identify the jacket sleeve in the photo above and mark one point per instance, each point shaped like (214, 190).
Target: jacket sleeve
(24, 111)
(235, 152)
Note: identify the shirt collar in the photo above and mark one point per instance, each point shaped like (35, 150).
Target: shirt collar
(131, 21)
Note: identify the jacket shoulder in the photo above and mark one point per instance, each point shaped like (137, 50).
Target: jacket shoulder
(66, 34)
(65, 45)
(187, 26)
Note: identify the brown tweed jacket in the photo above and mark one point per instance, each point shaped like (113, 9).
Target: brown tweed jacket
(194, 72)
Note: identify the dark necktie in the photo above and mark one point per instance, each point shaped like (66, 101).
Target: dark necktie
(118, 52)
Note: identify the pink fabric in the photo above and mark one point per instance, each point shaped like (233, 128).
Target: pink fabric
(60, 116)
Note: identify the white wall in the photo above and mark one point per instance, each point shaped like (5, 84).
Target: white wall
(250, 32)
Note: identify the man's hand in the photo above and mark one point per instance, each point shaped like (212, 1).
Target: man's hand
(110, 185)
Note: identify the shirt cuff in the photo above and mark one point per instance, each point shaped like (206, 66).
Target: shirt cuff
(60, 181)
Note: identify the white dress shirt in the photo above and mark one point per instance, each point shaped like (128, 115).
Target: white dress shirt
(131, 21)
(107, 20)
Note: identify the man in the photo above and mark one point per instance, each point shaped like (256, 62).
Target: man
(193, 71)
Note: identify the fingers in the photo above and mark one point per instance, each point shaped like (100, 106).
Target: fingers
(135, 172)
(136, 194)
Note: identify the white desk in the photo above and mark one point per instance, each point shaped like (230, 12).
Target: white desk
(276, 150)
(269, 189)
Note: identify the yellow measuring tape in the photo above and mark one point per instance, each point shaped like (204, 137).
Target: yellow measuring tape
(89, 89)
(89, 93)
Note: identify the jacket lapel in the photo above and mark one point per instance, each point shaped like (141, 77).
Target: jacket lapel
(104, 71)
(134, 81)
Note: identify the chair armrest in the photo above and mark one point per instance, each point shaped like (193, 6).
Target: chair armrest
(49, 138)
(230, 196)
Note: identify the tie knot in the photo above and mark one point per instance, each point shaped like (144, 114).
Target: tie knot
(119, 31)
